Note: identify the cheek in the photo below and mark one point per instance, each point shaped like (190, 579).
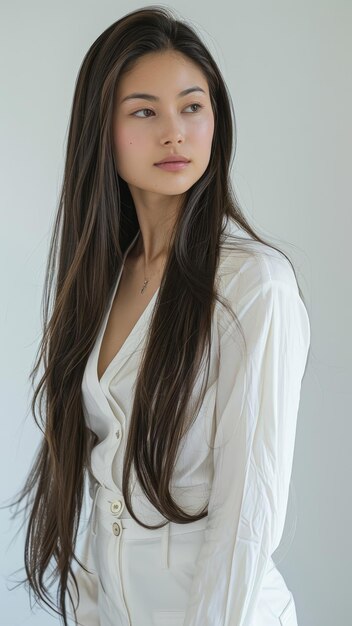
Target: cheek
(123, 140)
(127, 140)
(203, 132)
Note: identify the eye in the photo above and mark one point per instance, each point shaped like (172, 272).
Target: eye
(194, 104)
(141, 110)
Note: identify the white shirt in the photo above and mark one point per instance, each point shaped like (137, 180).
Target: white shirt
(237, 456)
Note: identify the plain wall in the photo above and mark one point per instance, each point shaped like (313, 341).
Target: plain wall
(288, 69)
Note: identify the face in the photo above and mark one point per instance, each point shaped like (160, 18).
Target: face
(148, 129)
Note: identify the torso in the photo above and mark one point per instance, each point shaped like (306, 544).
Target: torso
(128, 305)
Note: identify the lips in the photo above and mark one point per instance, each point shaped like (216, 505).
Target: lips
(176, 158)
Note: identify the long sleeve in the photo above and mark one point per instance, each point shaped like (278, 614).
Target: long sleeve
(257, 407)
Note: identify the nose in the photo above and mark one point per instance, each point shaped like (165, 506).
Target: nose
(176, 138)
(170, 141)
(173, 132)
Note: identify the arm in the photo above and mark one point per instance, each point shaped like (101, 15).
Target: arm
(257, 409)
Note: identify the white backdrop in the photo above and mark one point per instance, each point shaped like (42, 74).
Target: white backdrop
(288, 69)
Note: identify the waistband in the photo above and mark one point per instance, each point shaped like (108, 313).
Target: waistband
(108, 507)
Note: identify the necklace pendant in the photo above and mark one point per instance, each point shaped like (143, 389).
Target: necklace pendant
(144, 286)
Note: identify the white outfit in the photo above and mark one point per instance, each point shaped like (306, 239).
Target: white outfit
(236, 458)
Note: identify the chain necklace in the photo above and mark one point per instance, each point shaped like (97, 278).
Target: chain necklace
(146, 280)
(145, 284)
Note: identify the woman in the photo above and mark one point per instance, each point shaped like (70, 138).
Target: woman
(174, 355)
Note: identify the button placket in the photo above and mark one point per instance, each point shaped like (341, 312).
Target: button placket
(116, 508)
(109, 505)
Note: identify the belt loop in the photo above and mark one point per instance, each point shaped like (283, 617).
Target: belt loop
(165, 546)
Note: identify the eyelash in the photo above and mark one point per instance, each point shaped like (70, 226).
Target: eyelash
(146, 109)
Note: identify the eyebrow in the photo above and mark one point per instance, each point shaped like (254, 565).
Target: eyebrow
(148, 96)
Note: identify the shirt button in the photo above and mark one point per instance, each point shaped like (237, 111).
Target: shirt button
(118, 434)
(116, 529)
(115, 507)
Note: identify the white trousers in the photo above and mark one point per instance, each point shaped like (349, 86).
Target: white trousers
(142, 577)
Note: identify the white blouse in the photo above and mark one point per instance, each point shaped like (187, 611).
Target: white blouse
(237, 456)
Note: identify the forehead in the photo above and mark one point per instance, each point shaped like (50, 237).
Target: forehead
(161, 72)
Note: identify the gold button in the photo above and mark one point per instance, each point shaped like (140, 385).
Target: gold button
(116, 529)
(116, 507)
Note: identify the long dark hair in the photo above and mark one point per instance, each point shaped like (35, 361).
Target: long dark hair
(96, 221)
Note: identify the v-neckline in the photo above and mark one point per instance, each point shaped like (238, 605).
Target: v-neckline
(124, 345)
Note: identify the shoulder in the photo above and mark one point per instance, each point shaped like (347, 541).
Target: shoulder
(260, 286)
(247, 266)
